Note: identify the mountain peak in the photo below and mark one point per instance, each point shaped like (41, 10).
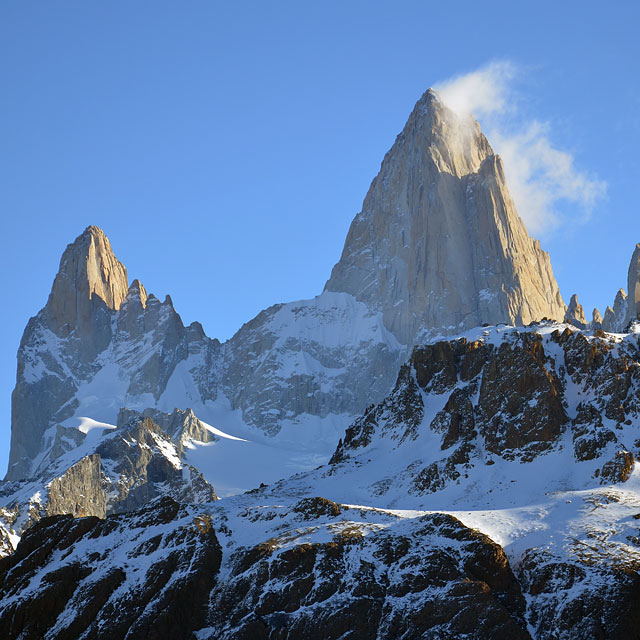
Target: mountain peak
(453, 142)
(438, 245)
(138, 292)
(575, 313)
(89, 276)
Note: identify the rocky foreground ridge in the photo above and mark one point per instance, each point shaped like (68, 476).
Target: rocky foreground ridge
(494, 493)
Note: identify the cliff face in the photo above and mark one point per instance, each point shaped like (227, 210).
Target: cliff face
(89, 277)
(438, 245)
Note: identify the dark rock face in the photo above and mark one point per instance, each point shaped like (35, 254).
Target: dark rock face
(312, 508)
(141, 575)
(619, 469)
(577, 601)
(614, 376)
(439, 580)
(156, 573)
(520, 406)
(506, 400)
(509, 400)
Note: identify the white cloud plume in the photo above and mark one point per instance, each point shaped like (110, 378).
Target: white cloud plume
(539, 175)
(481, 92)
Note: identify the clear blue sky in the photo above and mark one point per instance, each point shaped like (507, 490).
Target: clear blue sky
(225, 147)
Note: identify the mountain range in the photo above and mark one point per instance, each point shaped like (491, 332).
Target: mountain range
(436, 446)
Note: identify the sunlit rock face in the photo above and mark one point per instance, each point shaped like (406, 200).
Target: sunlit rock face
(633, 285)
(438, 245)
(575, 314)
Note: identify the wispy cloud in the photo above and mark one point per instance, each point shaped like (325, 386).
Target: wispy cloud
(539, 174)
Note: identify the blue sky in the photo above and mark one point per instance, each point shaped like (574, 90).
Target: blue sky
(225, 147)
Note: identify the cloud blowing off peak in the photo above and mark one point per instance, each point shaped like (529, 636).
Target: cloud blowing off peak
(539, 174)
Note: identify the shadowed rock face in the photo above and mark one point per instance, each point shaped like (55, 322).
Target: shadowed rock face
(575, 600)
(156, 573)
(506, 400)
(438, 243)
(439, 580)
(140, 575)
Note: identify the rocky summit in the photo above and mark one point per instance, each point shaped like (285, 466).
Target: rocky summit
(438, 245)
(434, 447)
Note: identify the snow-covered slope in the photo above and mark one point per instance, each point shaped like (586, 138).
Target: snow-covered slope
(528, 435)
(493, 493)
(90, 468)
(300, 371)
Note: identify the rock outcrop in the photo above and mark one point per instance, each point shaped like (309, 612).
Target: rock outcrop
(364, 575)
(143, 466)
(504, 400)
(615, 320)
(438, 245)
(469, 401)
(146, 574)
(123, 470)
(575, 314)
(596, 320)
(633, 287)
(575, 599)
